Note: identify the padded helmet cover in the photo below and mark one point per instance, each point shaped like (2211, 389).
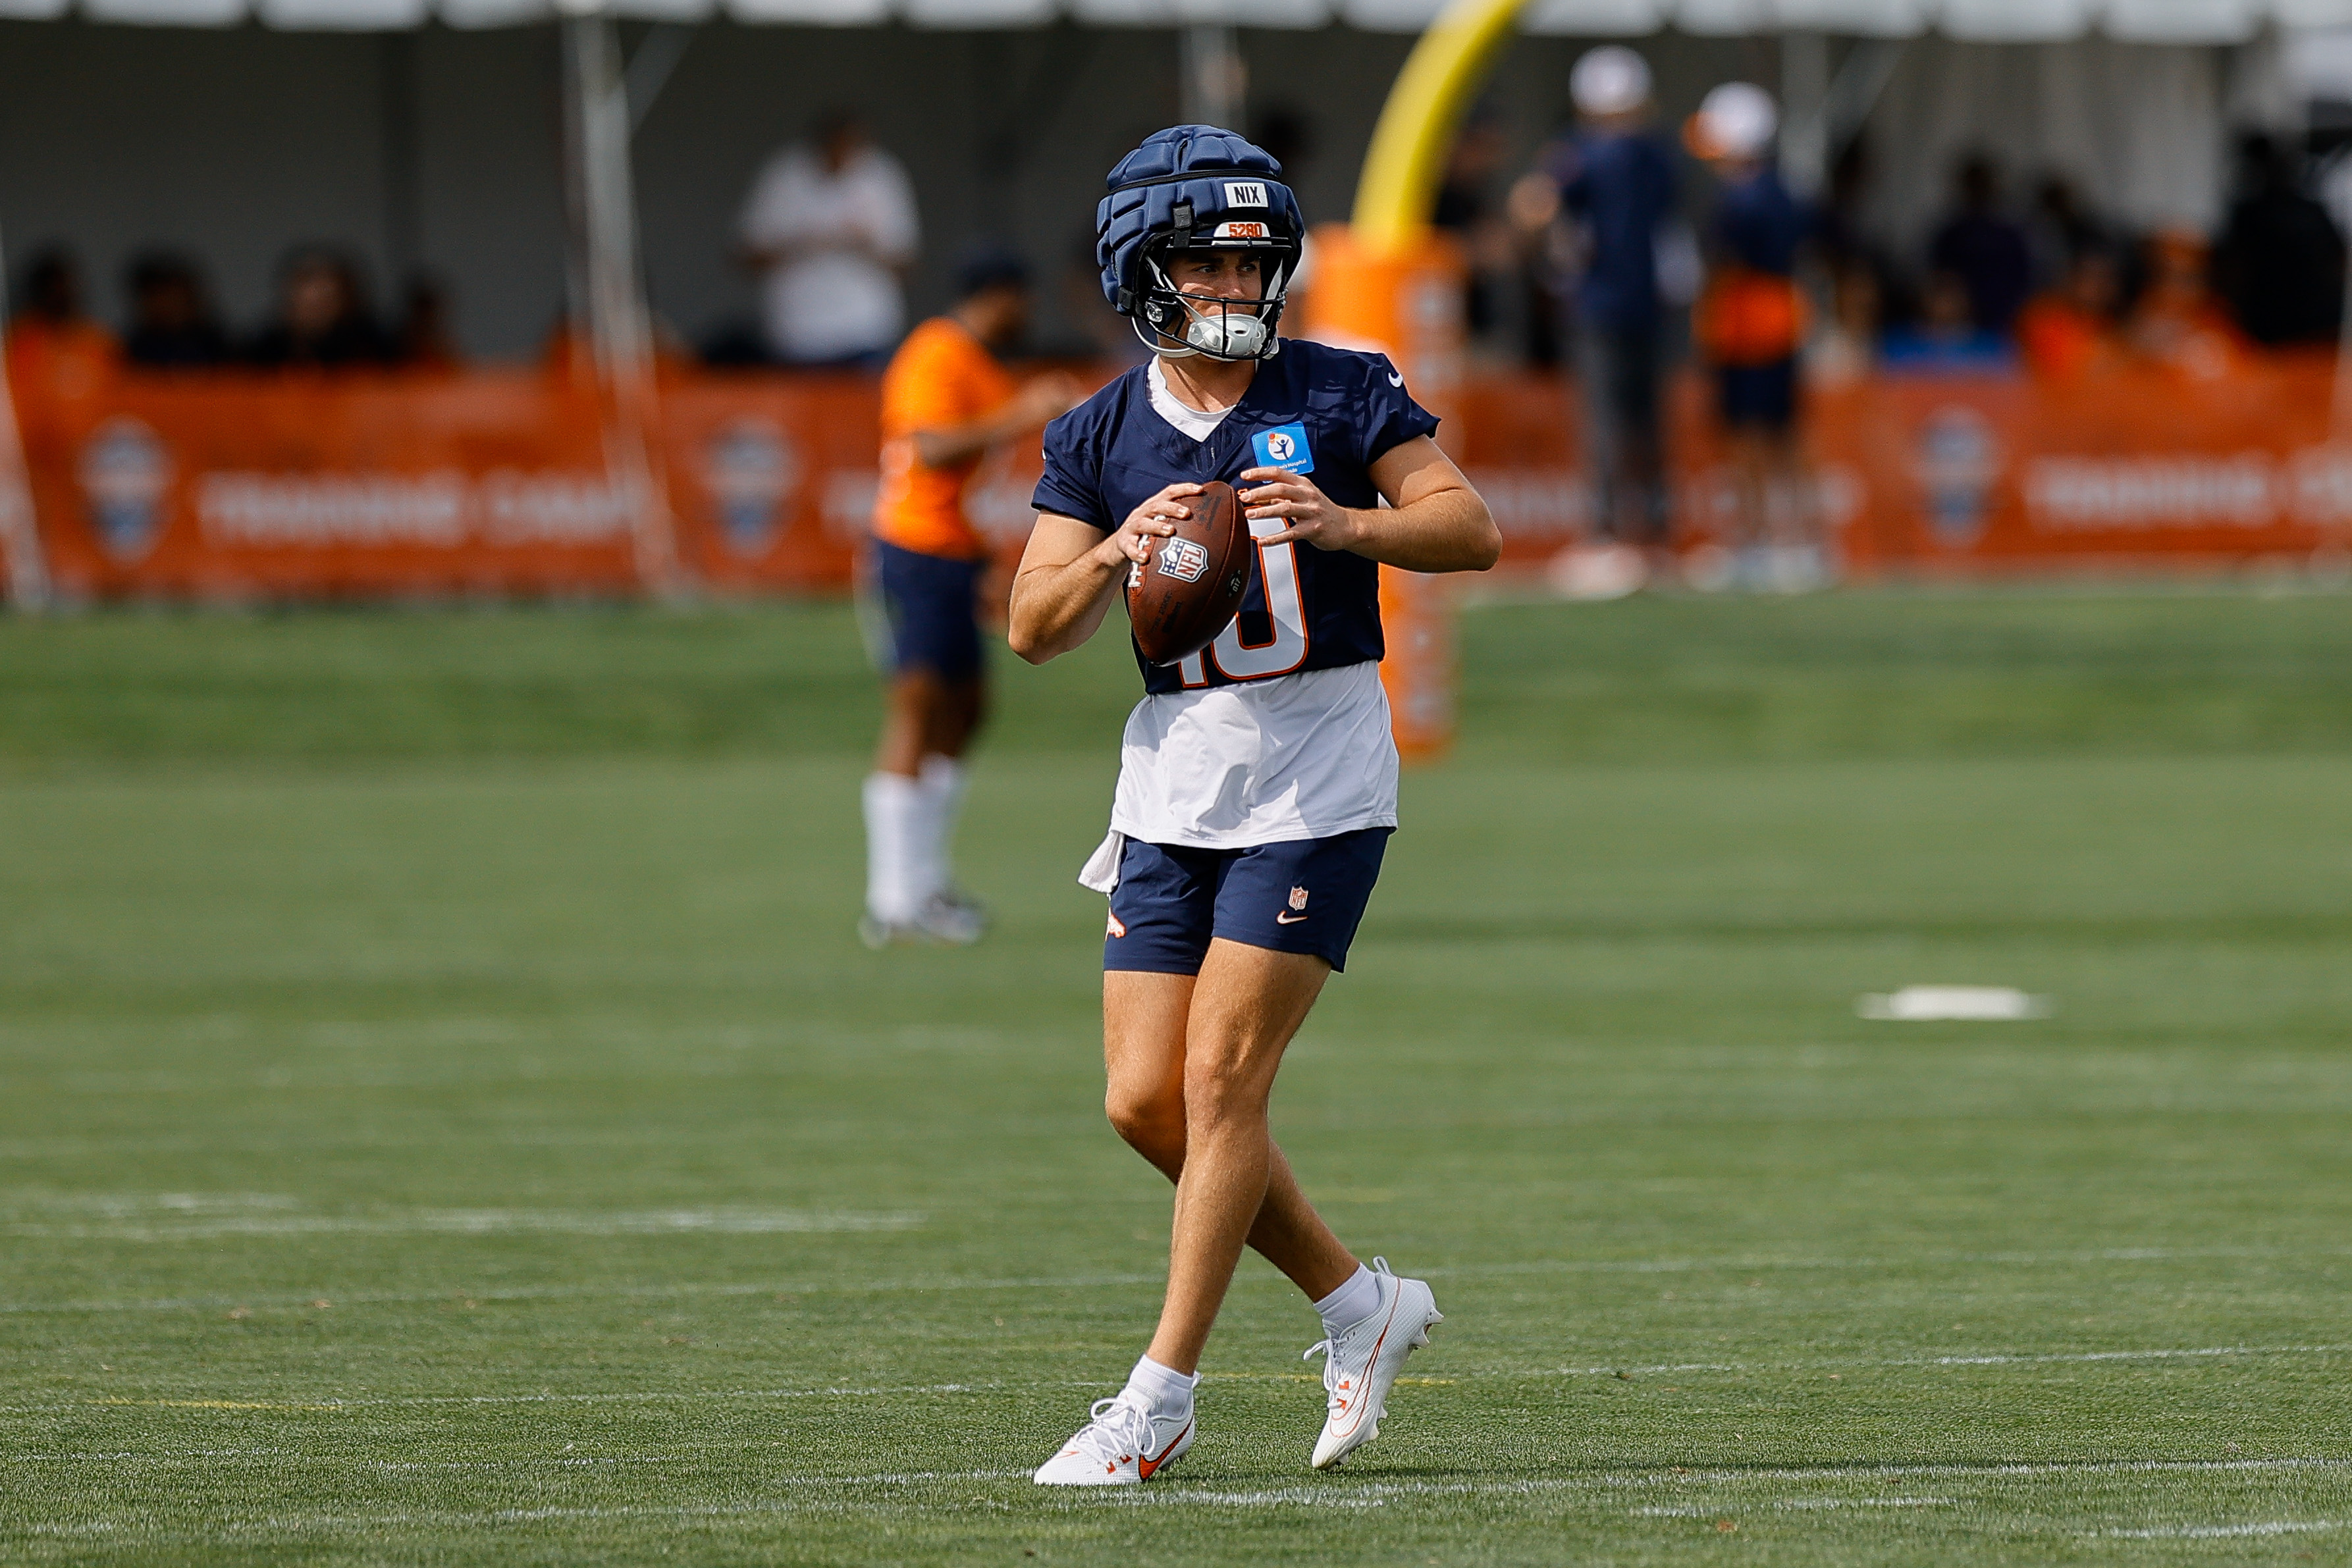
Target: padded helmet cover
(1181, 186)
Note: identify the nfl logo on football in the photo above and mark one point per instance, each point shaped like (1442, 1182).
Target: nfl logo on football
(1184, 560)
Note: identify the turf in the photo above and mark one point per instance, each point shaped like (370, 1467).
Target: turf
(447, 1120)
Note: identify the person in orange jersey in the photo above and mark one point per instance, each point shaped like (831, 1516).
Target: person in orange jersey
(946, 404)
(2071, 330)
(1749, 324)
(2177, 321)
(55, 352)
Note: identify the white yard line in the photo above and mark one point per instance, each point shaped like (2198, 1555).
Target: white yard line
(331, 1403)
(1107, 1281)
(2226, 1532)
(1336, 1493)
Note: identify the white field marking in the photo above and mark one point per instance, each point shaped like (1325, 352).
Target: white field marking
(1378, 1493)
(330, 1404)
(589, 1292)
(1371, 1495)
(1087, 1281)
(2008, 1360)
(482, 1222)
(1917, 1259)
(190, 1456)
(529, 1515)
(2222, 1531)
(1821, 1502)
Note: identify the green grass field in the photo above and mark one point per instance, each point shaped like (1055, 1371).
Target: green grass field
(446, 1117)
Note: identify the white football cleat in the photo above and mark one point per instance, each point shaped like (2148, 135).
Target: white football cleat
(1362, 1362)
(1125, 1445)
(946, 919)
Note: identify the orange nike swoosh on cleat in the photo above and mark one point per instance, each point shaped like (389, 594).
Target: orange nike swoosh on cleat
(1144, 1466)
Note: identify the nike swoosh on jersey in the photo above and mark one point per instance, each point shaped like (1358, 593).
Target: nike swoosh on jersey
(1287, 919)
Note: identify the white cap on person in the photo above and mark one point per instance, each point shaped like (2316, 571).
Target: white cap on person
(1736, 120)
(1611, 79)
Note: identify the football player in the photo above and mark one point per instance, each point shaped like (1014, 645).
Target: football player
(1257, 781)
(946, 402)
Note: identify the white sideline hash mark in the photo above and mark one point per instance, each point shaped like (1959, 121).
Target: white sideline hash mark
(2218, 1531)
(1973, 1004)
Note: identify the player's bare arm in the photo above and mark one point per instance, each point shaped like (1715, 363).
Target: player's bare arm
(1067, 575)
(1433, 522)
(1038, 400)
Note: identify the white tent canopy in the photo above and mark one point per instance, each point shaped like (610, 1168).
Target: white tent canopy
(1983, 21)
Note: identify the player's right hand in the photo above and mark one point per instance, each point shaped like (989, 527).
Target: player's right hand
(1155, 519)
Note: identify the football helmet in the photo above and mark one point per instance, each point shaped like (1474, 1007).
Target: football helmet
(1186, 188)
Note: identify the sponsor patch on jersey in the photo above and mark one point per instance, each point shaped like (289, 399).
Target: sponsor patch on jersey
(1242, 230)
(1283, 446)
(1245, 193)
(1183, 559)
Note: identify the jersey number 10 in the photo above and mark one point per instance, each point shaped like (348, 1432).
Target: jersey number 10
(1277, 568)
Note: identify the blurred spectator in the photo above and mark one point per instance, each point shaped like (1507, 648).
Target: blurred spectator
(1466, 210)
(1285, 132)
(831, 228)
(2072, 329)
(323, 319)
(1750, 323)
(1613, 180)
(1846, 347)
(2280, 262)
(1844, 242)
(53, 347)
(2060, 230)
(1947, 338)
(172, 322)
(1108, 335)
(1983, 248)
(426, 341)
(2177, 322)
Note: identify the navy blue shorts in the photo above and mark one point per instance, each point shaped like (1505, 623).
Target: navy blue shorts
(1759, 396)
(1305, 895)
(933, 605)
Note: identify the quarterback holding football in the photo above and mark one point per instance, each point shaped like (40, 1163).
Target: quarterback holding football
(1258, 783)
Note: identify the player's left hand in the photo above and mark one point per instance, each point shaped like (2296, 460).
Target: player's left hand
(1307, 512)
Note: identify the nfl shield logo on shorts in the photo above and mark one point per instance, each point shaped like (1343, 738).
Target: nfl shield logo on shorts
(1298, 898)
(1183, 559)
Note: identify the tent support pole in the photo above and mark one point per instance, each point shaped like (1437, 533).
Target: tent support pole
(608, 297)
(1804, 108)
(1215, 81)
(21, 561)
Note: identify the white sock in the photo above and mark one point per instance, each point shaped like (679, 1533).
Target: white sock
(1352, 1303)
(1167, 1390)
(893, 838)
(943, 802)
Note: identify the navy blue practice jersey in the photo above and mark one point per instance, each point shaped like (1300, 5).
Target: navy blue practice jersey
(1327, 413)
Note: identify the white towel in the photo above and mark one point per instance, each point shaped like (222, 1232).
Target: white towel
(1101, 870)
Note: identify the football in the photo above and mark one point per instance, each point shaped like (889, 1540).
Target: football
(1182, 594)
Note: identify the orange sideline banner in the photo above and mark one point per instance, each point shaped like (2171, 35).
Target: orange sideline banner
(237, 484)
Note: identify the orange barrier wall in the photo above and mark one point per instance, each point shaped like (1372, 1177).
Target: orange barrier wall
(232, 484)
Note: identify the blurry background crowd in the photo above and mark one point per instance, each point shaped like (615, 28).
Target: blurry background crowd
(1995, 207)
